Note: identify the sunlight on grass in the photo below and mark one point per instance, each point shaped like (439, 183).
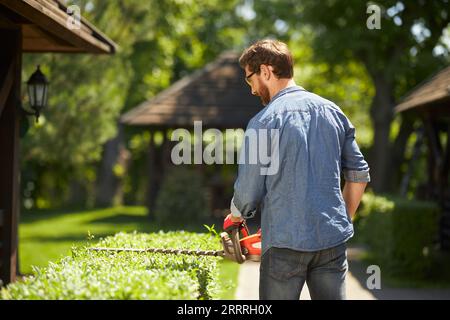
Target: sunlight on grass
(228, 278)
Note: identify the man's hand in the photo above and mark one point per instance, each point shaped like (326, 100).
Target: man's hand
(231, 222)
(236, 219)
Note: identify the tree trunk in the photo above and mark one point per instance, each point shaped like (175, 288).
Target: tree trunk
(77, 194)
(381, 114)
(107, 182)
(124, 159)
(398, 153)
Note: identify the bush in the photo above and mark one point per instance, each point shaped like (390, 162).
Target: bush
(401, 233)
(105, 275)
(182, 198)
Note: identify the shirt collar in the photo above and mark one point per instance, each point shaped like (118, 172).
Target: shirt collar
(284, 91)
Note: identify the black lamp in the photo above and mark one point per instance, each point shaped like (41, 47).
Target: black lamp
(37, 87)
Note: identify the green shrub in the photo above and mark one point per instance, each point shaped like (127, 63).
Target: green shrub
(400, 232)
(182, 198)
(105, 275)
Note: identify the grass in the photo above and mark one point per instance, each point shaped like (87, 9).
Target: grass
(228, 278)
(48, 235)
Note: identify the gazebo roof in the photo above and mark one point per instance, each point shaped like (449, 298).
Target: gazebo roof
(433, 94)
(44, 28)
(217, 95)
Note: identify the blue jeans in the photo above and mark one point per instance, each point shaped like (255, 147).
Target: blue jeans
(283, 273)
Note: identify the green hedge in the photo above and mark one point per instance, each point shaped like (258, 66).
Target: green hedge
(103, 275)
(401, 233)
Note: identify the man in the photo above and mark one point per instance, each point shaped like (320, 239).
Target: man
(305, 218)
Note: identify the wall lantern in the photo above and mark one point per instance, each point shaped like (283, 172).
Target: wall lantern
(37, 87)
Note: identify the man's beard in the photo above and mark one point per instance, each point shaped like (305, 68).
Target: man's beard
(264, 94)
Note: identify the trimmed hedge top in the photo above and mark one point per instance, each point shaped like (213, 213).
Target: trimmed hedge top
(126, 275)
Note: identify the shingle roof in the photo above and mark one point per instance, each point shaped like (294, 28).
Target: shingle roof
(216, 94)
(45, 28)
(432, 91)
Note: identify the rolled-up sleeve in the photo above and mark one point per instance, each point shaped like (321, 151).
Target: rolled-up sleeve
(354, 167)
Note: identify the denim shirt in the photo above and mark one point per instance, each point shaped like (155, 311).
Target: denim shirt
(302, 207)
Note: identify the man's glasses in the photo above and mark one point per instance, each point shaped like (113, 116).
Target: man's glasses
(247, 78)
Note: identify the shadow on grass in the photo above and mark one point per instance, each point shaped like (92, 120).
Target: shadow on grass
(71, 238)
(38, 215)
(122, 218)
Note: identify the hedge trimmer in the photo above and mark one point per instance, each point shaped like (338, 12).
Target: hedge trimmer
(238, 245)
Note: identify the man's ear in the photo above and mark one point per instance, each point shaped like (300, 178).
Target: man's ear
(265, 72)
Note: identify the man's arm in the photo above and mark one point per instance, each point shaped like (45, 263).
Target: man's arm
(355, 169)
(352, 193)
(249, 188)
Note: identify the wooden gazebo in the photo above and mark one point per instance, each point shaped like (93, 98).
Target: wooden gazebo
(28, 26)
(430, 101)
(217, 95)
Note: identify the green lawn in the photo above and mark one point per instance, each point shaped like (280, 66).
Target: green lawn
(49, 235)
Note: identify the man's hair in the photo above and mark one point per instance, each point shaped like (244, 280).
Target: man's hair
(270, 52)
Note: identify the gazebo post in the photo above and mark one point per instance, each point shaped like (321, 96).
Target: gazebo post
(165, 153)
(435, 155)
(152, 174)
(10, 73)
(160, 166)
(156, 157)
(446, 167)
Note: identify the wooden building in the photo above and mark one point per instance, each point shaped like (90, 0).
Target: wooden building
(217, 95)
(35, 26)
(430, 101)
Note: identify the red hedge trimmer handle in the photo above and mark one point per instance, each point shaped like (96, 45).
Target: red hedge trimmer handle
(229, 225)
(239, 245)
